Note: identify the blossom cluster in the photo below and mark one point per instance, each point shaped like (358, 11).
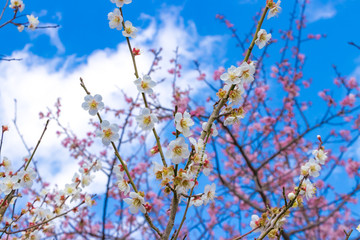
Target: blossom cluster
(310, 169)
(236, 78)
(33, 22)
(183, 182)
(47, 205)
(11, 180)
(307, 189)
(116, 20)
(107, 132)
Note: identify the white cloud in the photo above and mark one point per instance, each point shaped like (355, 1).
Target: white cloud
(37, 82)
(52, 33)
(316, 11)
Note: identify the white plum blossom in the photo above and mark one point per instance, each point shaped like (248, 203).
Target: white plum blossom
(163, 173)
(27, 177)
(123, 186)
(280, 222)
(146, 120)
(43, 213)
(275, 9)
(20, 28)
(247, 72)
(70, 189)
(209, 193)
(115, 19)
(35, 235)
(358, 228)
(196, 201)
(59, 197)
(307, 189)
(235, 95)
(88, 201)
(213, 130)
(234, 116)
(177, 150)
(262, 38)
(129, 30)
(120, 3)
(158, 169)
(193, 169)
(93, 104)
(119, 171)
(311, 168)
(314, 168)
(185, 184)
(255, 222)
(232, 76)
(86, 179)
(17, 4)
(97, 166)
(145, 84)
(320, 156)
(33, 22)
(199, 145)
(8, 184)
(207, 167)
(136, 202)
(183, 123)
(6, 163)
(108, 133)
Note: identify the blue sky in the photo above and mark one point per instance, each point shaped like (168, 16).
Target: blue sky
(85, 46)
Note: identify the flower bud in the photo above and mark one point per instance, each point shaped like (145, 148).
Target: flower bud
(5, 128)
(291, 196)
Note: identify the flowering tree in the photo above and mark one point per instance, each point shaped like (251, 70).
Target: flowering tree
(243, 164)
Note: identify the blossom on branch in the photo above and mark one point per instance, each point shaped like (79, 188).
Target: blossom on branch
(247, 72)
(262, 38)
(198, 145)
(255, 223)
(209, 193)
(232, 76)
(93, 104)
(196, 201)
(20, 28)
(177, 150)
(129, 30)
(275, 9)
(6, 163)
(136, 202)
(184, 182)
(27, 177)
(88, 201)
(311, 168)
(146, 120)
(213, 130)
(145, 84)
(115, 19)
(17, 4)
(108, 133)
(123, 186)
(183, 123)
(308, 189)
(120, 3)
(9, 183)
(234, 116)
(33, 22)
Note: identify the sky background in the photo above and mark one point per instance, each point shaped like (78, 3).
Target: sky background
(85, 46)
